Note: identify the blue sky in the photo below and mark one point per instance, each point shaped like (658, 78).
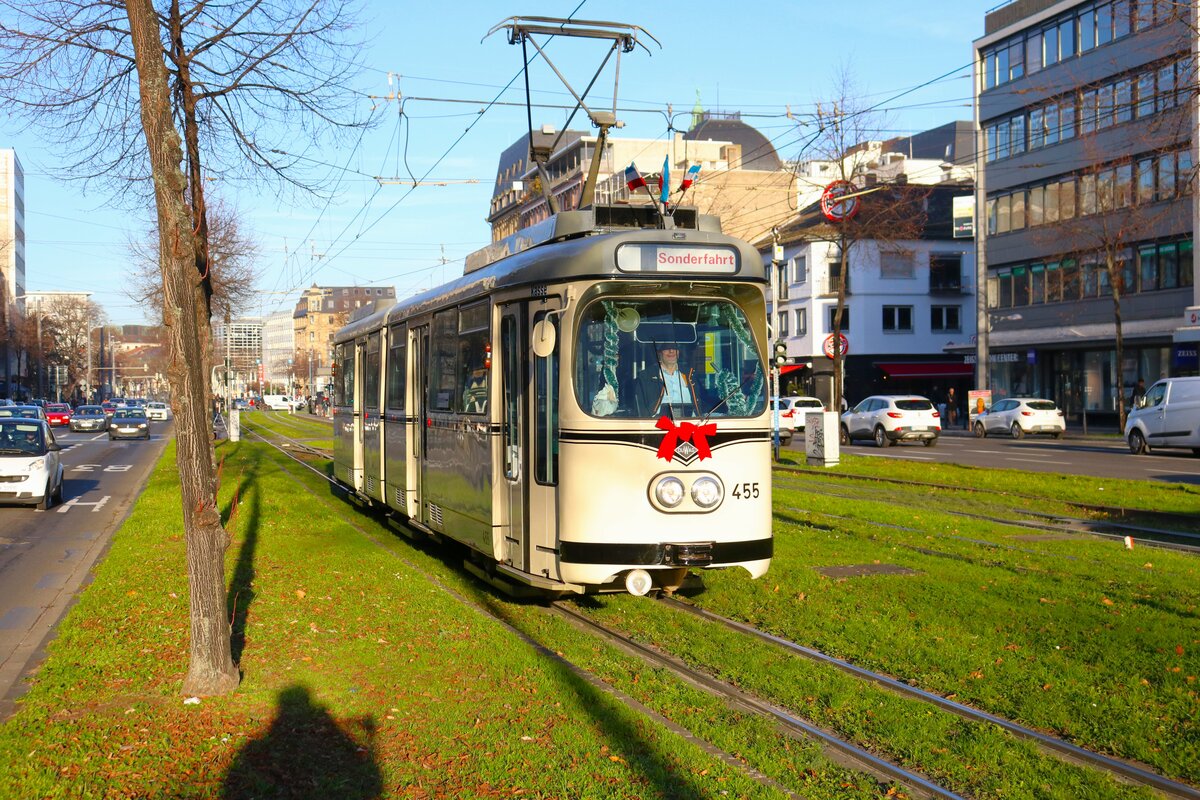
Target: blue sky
(758, 58)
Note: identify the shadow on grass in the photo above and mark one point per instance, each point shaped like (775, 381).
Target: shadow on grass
(306, 754)
(662, 776)
(240, 595)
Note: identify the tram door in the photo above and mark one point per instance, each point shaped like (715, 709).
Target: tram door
(360, 354)
(529, 435)
(418, 346)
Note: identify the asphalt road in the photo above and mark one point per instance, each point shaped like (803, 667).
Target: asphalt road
(45, 556)
(1102, 457)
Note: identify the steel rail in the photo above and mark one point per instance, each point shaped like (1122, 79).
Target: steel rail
(1125, 770)
(851, 754)
(1183, 519)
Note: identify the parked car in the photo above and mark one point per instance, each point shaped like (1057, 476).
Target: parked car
(798, 406)
(27, 412)
(278, 402)
(890, 418)
(58, 414)
(31, 472)
(157, 410)
(128, 423)
(1168, 416)
(1021, 416)
(89, 418)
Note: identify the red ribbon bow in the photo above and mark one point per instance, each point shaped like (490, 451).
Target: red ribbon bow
(684, 432)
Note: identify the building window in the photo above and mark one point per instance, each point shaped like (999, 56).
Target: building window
(896, 264)
(945, 272)
(782, 327)
(799, 269)
(897, 319)
(845, 319)
(835, 269)
(945, 318)
(801, 321)
(781, 282)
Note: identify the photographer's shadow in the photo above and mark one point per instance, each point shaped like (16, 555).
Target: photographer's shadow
(306, 754)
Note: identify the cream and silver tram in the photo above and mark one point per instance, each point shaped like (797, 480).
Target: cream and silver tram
(585, 414)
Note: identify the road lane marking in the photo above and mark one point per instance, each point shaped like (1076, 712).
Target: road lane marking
(75, 501)
(1035, 460)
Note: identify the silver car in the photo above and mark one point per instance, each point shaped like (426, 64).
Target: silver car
(1021, 416)
(30, 469)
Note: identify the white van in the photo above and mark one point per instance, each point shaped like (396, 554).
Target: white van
(1168, 416)
(278, 402)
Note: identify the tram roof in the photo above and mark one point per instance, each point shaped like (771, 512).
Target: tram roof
(575, 247)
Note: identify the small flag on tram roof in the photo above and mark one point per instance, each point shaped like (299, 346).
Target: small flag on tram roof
(664, 183)
(633, 178)
(690, 177)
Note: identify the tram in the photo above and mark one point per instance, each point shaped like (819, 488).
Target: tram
(584, 410)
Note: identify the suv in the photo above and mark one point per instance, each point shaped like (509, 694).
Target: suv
(1020, 416)
(888, 418)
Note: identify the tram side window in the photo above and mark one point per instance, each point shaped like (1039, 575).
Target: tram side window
(344, 385)
(473, 359)
(397, 370)
(443, 366)
(545, 429)
(371, 374)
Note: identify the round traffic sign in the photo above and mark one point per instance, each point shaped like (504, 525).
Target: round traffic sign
(834, 207)
(844, 346)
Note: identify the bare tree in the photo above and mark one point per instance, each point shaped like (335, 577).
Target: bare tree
(232, 270)
(160, 100)
(882, 213)
(67, 321)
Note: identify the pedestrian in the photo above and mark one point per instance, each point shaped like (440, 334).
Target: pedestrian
(1139, 392)
(951, 408)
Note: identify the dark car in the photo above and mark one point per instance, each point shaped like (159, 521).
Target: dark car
(89, 418)
(26, 412)
(128, 423)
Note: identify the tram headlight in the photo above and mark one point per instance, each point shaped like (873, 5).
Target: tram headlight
(706, 493)
(669, 492)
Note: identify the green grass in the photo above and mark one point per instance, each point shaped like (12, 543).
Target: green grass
(1117, 492)
(362, 678)
(370, 670)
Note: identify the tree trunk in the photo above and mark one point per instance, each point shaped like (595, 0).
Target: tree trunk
(210, 670)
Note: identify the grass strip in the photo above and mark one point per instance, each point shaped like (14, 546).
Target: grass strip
(361, 678)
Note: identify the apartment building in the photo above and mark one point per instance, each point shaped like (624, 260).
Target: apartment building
(318, 315)
(1085, 193)
(909, 315)
(742, 179)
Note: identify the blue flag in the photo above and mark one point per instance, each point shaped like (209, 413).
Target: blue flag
(664, 183)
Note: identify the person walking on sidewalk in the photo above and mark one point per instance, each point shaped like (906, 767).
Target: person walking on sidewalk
(1139, 391)
(951, 408)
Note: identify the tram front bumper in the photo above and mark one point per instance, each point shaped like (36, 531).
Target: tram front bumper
(665, 554)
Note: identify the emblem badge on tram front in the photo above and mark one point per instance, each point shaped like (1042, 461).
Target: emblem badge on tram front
(685, 450)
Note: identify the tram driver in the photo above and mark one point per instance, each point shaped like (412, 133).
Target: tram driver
(668, 389)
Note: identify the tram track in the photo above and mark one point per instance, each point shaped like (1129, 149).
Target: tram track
(1179, 541)
(839, 750)
(1121, 769)
(1187, 522)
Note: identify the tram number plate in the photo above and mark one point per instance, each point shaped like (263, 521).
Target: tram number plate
(745, 491)
(538, 290)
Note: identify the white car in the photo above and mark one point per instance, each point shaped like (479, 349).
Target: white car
(889, 418)
(31, 472)
(796, 407)
(1020, 416)
(156, 410)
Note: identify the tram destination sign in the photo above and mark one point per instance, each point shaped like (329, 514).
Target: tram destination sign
(657, 257)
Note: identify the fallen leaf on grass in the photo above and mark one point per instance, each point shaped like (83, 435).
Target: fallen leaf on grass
(1178, 649)
(977, 674)
(300, 593)
(1106, 601)
(1013, 647)
(617, 759)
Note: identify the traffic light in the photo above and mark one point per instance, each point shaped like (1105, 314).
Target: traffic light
(781, 355)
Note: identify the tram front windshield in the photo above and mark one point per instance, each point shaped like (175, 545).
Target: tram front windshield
(686, 359)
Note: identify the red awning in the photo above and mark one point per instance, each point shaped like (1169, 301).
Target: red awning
(784, 370)
(926, 369)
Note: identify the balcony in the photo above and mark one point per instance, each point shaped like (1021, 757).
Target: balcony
(945, 275)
